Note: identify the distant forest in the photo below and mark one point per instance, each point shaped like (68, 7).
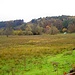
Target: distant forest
(47, 25)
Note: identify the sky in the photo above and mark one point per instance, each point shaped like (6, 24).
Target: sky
(33, 9)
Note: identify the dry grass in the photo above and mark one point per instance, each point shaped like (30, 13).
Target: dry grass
(18, 51)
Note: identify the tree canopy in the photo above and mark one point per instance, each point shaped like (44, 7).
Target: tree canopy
(47, 25)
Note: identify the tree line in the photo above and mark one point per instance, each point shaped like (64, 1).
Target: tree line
(46, 25)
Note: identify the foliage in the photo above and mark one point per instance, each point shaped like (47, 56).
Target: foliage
(28, 30)
(51, 30)
(39, 26)
(8, 29)
(71, 28)
(64, 29)
(17, 32)
(37, 30)
(13, 22)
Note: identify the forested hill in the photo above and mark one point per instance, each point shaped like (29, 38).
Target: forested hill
(47, 25)
(12, 22)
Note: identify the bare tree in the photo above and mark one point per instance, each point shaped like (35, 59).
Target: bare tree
(8, 28)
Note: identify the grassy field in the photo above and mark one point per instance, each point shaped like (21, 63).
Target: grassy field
(37, 55)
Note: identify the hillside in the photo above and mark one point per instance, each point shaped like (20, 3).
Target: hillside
(47, 25)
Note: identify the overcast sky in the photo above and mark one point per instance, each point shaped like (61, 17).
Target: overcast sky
(30, 9)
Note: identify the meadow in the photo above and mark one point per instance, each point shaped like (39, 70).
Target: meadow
(37, 55)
